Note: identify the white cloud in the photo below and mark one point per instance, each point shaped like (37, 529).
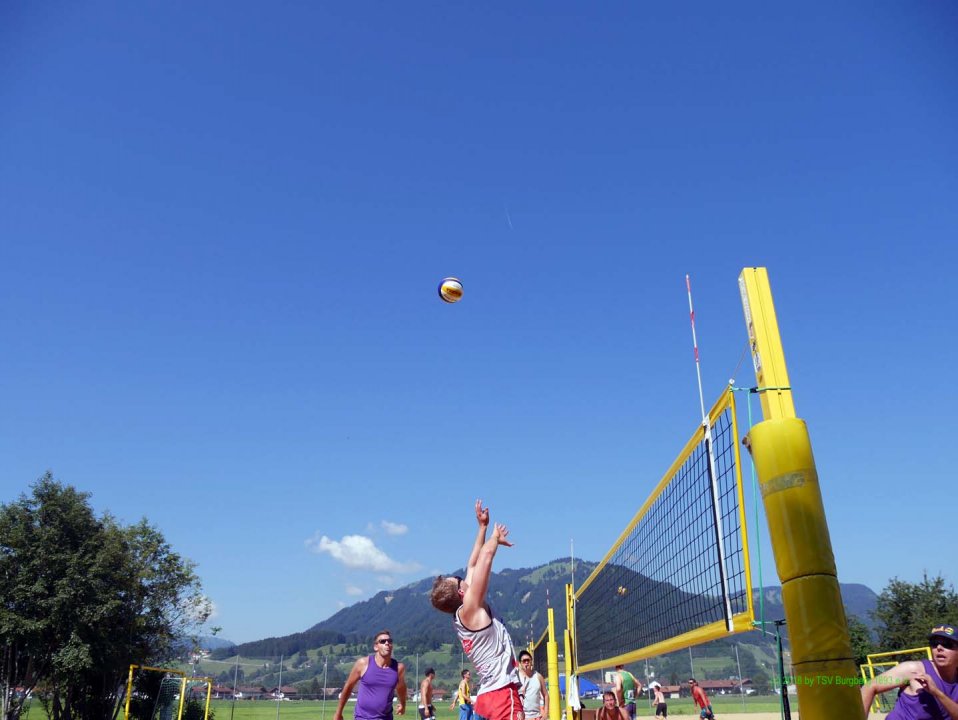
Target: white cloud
(353, 590)
(392, 528)
(359, 552)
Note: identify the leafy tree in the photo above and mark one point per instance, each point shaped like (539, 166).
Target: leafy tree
(861, 638)
(905, 612)
(761, 682)
(81, 598)
(746, 659)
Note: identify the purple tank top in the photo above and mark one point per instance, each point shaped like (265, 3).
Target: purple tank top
(374, 700)
(923, 706)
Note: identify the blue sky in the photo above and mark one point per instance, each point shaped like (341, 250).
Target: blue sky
(223, 224)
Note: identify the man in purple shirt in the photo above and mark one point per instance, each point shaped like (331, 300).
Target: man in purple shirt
(379, 677)
(929, 688)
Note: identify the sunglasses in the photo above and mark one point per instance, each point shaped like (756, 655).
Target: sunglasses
(458, 582)
(944, 642)
(384, 641)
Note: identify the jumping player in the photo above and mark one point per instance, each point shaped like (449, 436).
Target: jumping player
(484, 638)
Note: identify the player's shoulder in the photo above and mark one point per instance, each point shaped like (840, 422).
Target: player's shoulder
(909, 666)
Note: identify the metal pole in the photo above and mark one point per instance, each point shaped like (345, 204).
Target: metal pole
(325, 661)
(690, 662)
(783, 683)
(235, 675)
(741, 688)
(279, 691)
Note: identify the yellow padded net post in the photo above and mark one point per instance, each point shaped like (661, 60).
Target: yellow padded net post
(570, 668)
(552, 651)
(788, 480)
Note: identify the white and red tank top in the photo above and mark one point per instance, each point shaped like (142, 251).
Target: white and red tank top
(490, 650)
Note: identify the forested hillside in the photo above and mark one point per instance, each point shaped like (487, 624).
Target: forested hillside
(519, 596)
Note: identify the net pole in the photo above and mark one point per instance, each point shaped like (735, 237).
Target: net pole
(716, 503)
(235, 677)
(279, 691)
(325, 662)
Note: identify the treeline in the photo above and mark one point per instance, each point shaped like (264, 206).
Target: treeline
(81, 598)
(286, 646)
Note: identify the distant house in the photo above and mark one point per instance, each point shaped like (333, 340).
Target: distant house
(250, 692)
(287, 692)
(725, 687)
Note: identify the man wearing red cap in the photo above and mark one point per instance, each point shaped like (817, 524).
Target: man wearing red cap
(929, 688)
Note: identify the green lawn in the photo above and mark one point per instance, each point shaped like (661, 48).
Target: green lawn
(265, 710)
(315, 710)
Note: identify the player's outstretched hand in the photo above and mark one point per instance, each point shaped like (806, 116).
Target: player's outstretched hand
(501, 534)
(482, 514)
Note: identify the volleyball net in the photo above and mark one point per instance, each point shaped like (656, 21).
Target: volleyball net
(154, 693)
(678, 575)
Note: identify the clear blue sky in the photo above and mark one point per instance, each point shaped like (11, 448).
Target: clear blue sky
(223, 224)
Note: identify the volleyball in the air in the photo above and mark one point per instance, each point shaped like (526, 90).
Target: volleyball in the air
(450, 290)
(622, 590)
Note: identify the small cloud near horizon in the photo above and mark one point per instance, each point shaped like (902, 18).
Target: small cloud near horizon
(392, 528)
(353, 590)
(358, 552)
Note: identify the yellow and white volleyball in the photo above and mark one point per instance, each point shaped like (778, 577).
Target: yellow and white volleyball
(450, 290)
(622, 590)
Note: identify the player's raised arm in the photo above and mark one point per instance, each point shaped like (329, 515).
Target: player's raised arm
(482, 518)
(474, 612)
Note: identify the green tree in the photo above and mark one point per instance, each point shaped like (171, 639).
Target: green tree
(81, 598)
(861, 638)
(761, 682)
(746, 659)
(905, 612)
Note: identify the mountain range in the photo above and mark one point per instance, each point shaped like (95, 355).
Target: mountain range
(520, 598)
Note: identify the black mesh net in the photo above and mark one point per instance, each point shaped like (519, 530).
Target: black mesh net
(665, 578)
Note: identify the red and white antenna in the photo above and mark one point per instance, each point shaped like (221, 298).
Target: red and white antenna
(713, 477)
(695, 347)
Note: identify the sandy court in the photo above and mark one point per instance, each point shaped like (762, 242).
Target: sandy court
(747, 716)
(770, 716)
(751, 716)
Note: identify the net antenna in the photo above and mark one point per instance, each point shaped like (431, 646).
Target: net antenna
(716, 502)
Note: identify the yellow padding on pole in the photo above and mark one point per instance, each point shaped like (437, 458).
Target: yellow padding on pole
(788, 482)
(825, 673)
(552, 653)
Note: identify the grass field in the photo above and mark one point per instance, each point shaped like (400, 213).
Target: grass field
(267, 710)
(317, 710)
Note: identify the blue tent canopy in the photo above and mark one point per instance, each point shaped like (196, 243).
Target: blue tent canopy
(587, 688)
